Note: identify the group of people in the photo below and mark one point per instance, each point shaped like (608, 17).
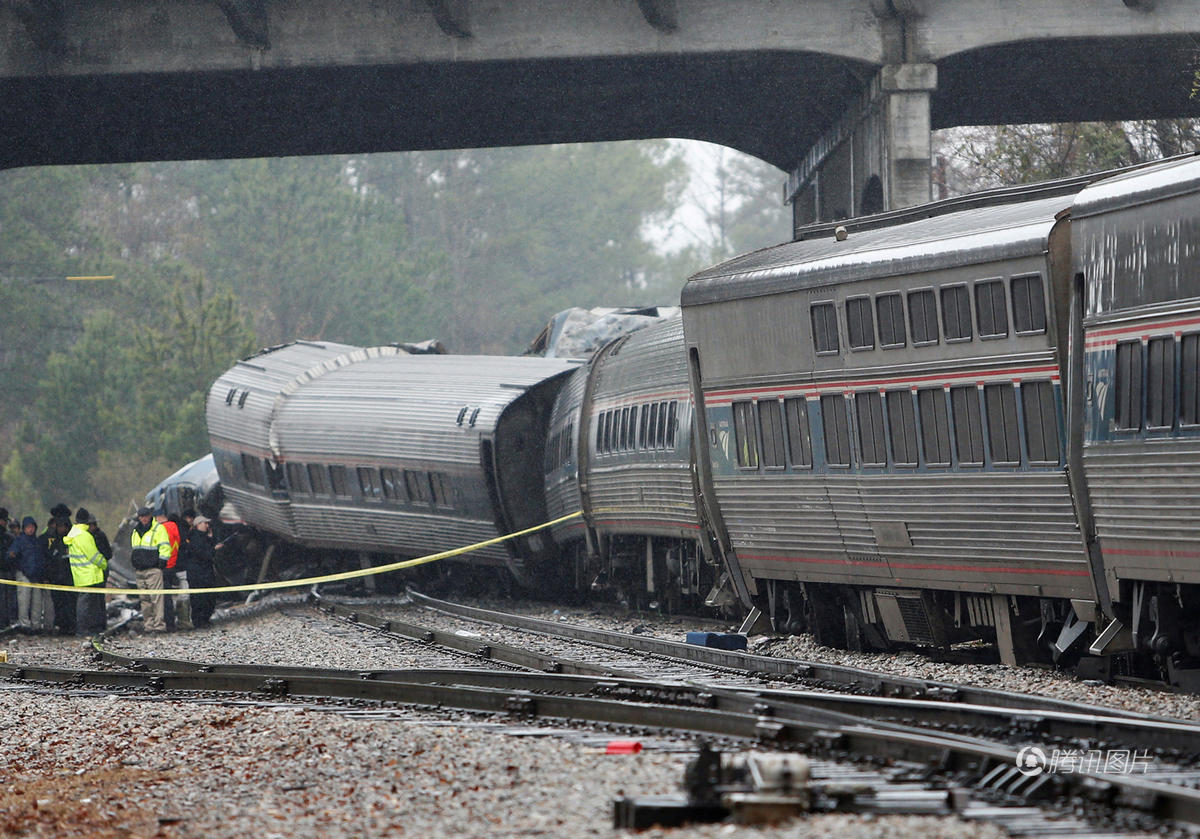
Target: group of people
(174, 554)
(165, 554)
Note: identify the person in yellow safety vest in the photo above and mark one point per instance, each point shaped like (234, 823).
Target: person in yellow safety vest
(88, 569)
(151, 551)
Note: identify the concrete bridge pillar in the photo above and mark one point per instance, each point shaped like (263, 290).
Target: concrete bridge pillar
(876, 157)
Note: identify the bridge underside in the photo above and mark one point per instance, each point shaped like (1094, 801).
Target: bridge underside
(773, 105)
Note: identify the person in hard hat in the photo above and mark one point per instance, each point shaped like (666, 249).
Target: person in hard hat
(198, 550)
(151, 552)
(89, 569)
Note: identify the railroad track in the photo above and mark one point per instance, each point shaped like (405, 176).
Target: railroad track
(701, 699)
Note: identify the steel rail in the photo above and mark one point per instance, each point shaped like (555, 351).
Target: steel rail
(1176, 737)
(820, 674)
(817, 731)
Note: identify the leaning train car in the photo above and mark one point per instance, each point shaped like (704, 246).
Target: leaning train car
(1136, 252)
(378, 451)
(883, 425)
(620, 451)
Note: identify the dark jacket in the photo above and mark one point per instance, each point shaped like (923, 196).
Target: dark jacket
(29, 557)
(102, 543)
(196, 554)
(58, 560)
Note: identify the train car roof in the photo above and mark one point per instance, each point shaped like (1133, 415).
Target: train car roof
(403, 405)
(1157, 182)
(976, 235)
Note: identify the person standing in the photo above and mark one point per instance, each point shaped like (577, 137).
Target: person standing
(88, 570)
(29, 558)
(197, 552)
(58, 568)
(170, 578)
(8, 594)
(151, 552)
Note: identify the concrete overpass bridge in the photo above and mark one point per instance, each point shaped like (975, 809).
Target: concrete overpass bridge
(841, 94)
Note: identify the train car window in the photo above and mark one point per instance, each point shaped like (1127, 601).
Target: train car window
(992, 309)
(441, 489)
(252, 469)
(417, 485)
(602, 433)
(297, 478)
(1029, 306)
(643, 430)
(1041, 422)
(922, 316)
(1003, 436)
(663, 416)
(799, 434)
(745, 437)
(956, 313)
(393, 489)
(1189, 380)
(1127, 400)
(935, 426)
(338, 482)
(860, 329)
(770, 419)
(890, 309)
(229, 396)
(869, 409)
(1160, 382)
(634, 423)
(368, 482)
(654, 439)
(824, 327)
(623, 443)
(672, 423)
(968, 425)
(902, 427)
(316, 479)
(836, 421)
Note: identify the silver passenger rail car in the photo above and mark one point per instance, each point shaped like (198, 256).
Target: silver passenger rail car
(240, 414)
(1136, 249)
(885, 424)
(385, 452)
(628, 466)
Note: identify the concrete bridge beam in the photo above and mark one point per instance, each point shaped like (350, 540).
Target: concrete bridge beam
(877, 156)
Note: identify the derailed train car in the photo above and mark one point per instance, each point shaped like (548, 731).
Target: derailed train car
(974, 419)
(896, 418)
(381, 451)
(621, 452)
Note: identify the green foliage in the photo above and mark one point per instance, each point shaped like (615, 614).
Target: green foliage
(105, 383)
(528, 232)
(980, 158)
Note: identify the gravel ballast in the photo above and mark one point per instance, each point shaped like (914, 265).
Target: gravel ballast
(106, 765)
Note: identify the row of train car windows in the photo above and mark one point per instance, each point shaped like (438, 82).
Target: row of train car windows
(887, 314)
(408, 485)
(560, 448)
(637, 428)
(1149, 375)
(903, 429)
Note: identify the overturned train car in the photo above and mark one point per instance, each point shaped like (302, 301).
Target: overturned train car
(380, 451)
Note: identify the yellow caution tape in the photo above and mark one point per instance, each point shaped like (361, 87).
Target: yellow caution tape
(308, 581)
